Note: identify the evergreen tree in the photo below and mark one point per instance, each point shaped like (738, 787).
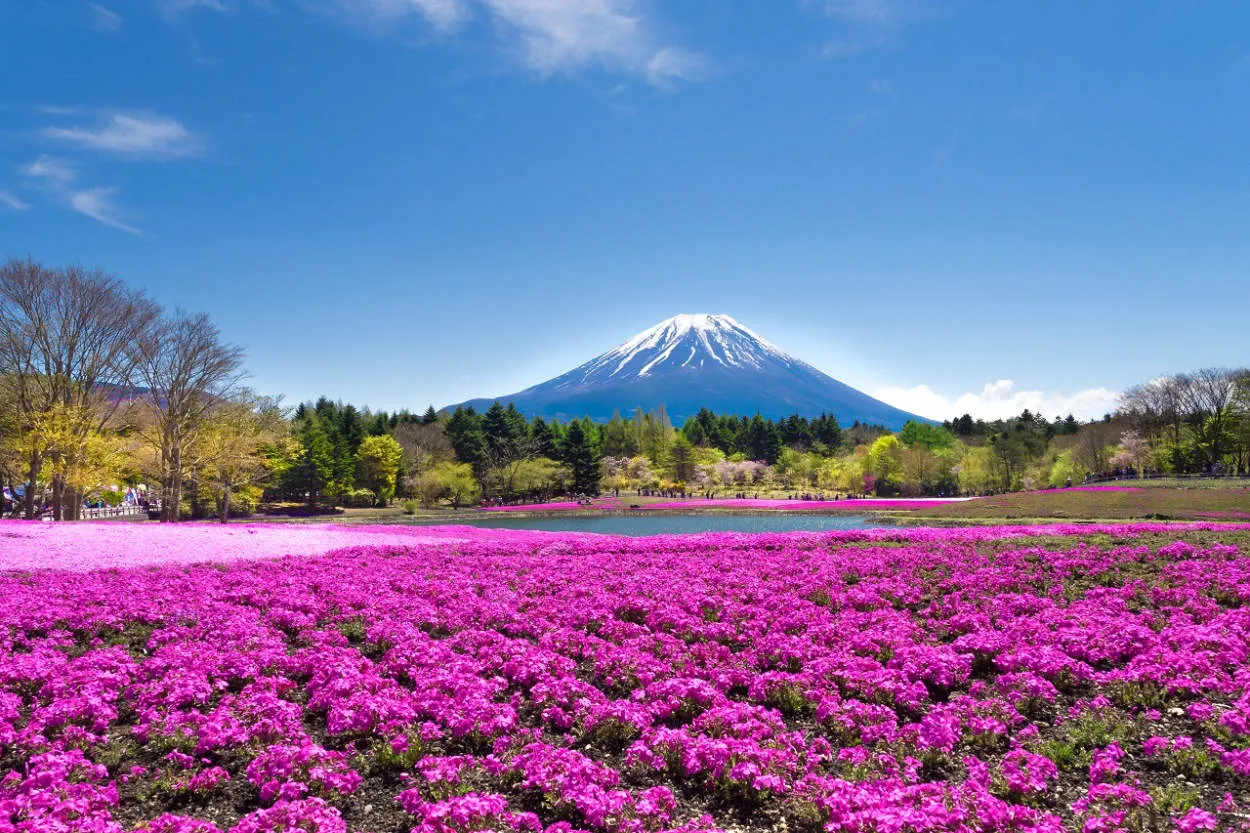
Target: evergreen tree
(430, 416)
(468, 440)
(618, 440)
(763, 440)
(543, 439)
(518, 428)
(379, 425)
(312, 473)
(694, 432)
(503, 437)
(827, 431)
(582, 458)
(683, 459)
(351, 429)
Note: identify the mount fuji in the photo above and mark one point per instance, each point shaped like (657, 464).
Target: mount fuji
(690, 362)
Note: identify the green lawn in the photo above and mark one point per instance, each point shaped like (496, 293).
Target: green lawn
(1152, 503)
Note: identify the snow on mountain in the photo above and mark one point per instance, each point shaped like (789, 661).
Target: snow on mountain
(691, 341)
(692, 361)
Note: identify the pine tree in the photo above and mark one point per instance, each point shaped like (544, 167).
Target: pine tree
(582, 458)
(464, 431)
(313, 471)
(502, 440)
(351, 429)
(543, 439)
(762, 440)
(430, 416)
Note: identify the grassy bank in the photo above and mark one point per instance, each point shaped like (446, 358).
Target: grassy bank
(1155, 503)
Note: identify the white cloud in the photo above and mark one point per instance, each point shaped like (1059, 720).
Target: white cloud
(552, 36)
(12, 201)
(998, 400)
(102, 19)
(97, 203)
(569, 34)
(546, 36)
(675, 64)
(444, 15)
(867, 24)
(174, 7)
(879, 12)
(880, 86)
(133, 135)
(50, 170)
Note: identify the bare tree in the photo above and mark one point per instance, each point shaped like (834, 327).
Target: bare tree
(65, 343)
(424, 445)
(1093, 446)
(1208, 397)
(188, 372)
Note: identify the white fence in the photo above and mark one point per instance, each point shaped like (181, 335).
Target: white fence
(124, 511)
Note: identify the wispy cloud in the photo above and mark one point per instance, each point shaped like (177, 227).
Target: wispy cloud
(103, 19)
(12, 201)
(57, 180)
(50, 170)
(876, 12)
(880, 86)
(97, 203)
(868, 24)
(137, 135)
(999, 400)
(670, 64)
(553, 36)
(444, 15)
(176, 7)
(546, 37)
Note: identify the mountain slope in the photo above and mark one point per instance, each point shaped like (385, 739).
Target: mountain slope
(693, 361)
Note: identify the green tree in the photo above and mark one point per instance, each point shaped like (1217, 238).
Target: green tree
(377, 466)
(459, 484)
(468, 440)
(926, 435)
(543, 439)
(312, 473)
(619, 439)
(763, 441)
(885, 463)
(582, 458)
(683, 459)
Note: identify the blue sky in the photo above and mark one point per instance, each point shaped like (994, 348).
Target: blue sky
(955, 205)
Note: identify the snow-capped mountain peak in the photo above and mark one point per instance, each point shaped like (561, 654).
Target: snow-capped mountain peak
(689, 362)
(684, 341)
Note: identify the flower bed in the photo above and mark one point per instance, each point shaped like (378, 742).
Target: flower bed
(859, 504)
(1029, 679)
(557, 506)
(95, 545)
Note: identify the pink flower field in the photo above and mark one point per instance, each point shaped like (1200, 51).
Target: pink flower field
(558, 506)
(860, 504)
(191, 680)
(87, 546)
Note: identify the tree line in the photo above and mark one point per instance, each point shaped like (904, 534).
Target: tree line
(102, 391)
(101, 386)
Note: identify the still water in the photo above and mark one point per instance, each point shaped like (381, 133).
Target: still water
(666, 524)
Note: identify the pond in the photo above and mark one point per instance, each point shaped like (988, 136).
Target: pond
(673, 524)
